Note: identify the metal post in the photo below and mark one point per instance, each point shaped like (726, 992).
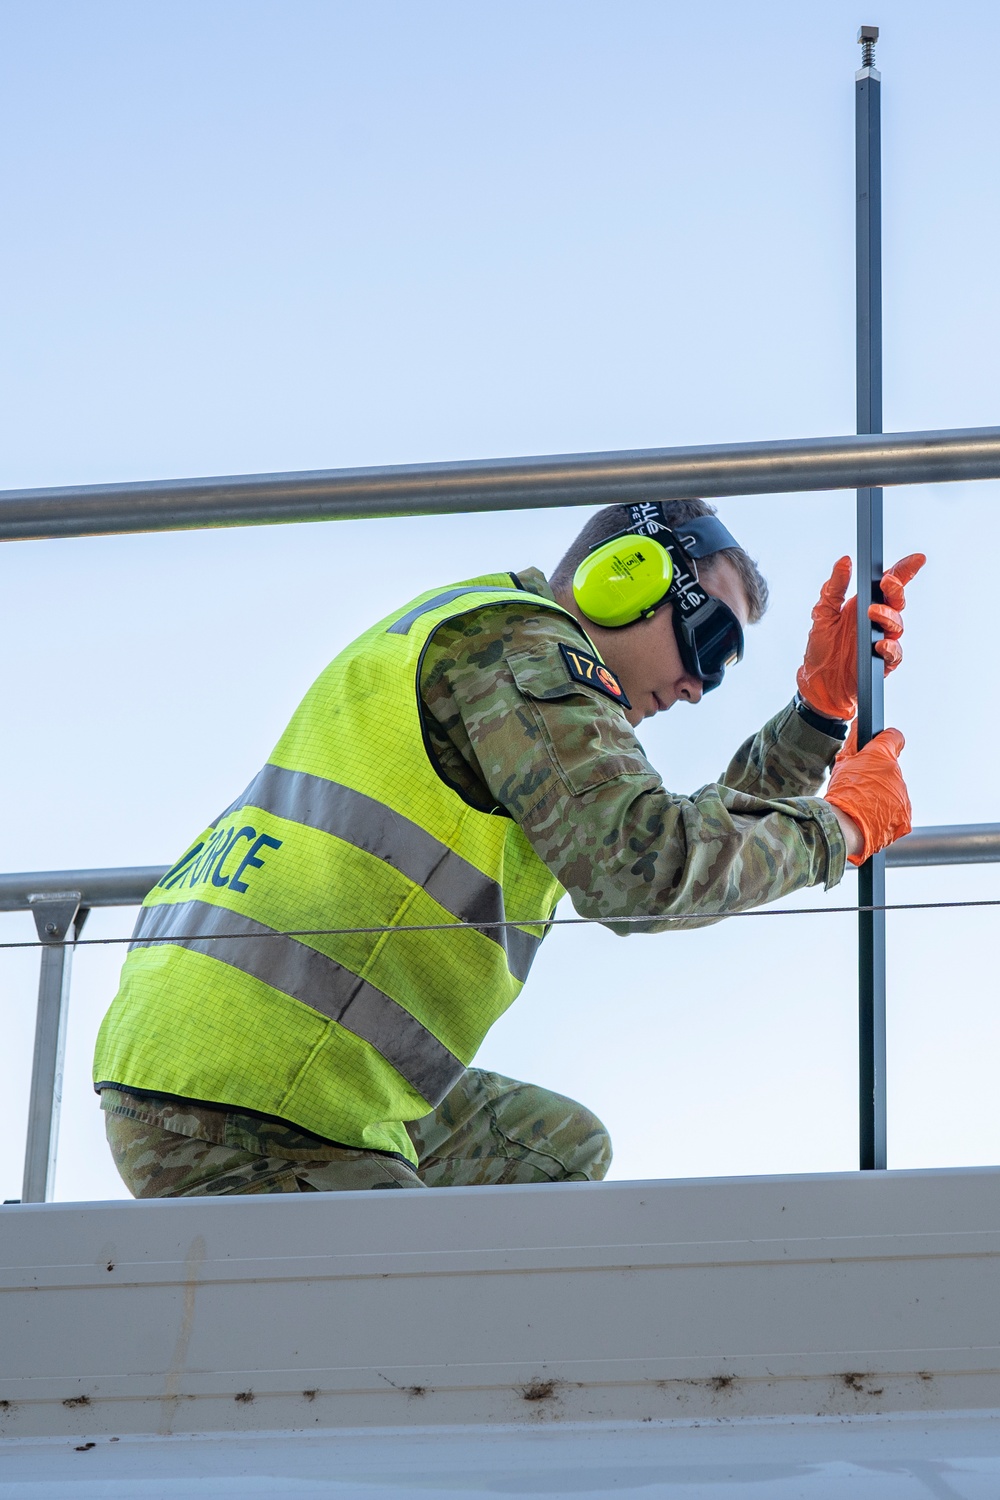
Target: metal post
(55, 915)
(871, 876)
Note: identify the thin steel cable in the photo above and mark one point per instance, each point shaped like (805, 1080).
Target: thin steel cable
(780, 911)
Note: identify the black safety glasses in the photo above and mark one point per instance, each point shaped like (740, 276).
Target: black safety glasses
(709, 638)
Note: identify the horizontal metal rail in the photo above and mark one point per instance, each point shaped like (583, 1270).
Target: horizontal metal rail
(124, 887)
(946, 844)
(797, 464)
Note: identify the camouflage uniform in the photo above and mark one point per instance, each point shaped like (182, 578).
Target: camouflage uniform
(489, 1129)
(509, 729)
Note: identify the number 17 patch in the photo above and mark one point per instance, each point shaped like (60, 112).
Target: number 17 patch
(594, 674)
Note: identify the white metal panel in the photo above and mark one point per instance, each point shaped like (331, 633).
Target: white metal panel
(731, 1303)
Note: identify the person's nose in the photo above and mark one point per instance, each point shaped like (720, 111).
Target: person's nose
(691, 689)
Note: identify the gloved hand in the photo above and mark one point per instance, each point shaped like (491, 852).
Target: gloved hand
(828, 677)
(868, 786)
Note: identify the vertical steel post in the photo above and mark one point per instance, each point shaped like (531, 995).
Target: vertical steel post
(871, 876)
(55, 916)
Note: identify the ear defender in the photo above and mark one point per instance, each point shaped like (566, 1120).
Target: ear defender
(623, 580)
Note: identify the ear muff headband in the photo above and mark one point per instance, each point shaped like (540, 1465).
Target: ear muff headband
(623, 580)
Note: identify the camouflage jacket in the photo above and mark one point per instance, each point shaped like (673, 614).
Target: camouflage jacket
(511, 730)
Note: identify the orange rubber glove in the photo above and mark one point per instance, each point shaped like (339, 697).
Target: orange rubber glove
(828, 678)
(868, 786)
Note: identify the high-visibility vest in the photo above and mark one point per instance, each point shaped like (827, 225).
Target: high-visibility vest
(229, 993)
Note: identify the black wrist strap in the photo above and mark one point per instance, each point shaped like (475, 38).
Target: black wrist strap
(835, 728)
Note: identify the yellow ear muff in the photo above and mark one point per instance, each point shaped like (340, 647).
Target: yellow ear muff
(622, 580)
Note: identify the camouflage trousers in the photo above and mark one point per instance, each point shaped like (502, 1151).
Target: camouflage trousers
(489, 1129)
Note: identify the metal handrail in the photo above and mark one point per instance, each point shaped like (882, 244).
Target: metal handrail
(947, 844)
(59, 901)
(111, 887)
(941, 844)
(788, 466)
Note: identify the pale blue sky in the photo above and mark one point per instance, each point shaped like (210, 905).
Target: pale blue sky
(243, 237)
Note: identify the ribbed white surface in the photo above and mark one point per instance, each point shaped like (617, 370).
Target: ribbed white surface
(798, 1332)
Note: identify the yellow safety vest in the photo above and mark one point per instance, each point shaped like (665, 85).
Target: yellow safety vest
(230, 995)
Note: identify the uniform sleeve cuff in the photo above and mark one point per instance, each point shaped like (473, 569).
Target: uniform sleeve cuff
(834, 841)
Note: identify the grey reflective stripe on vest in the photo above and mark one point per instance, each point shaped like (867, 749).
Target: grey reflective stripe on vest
(402, 625)
(464, 892)
(286, 964)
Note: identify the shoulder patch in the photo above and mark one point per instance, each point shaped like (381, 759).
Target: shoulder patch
(583, 667)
